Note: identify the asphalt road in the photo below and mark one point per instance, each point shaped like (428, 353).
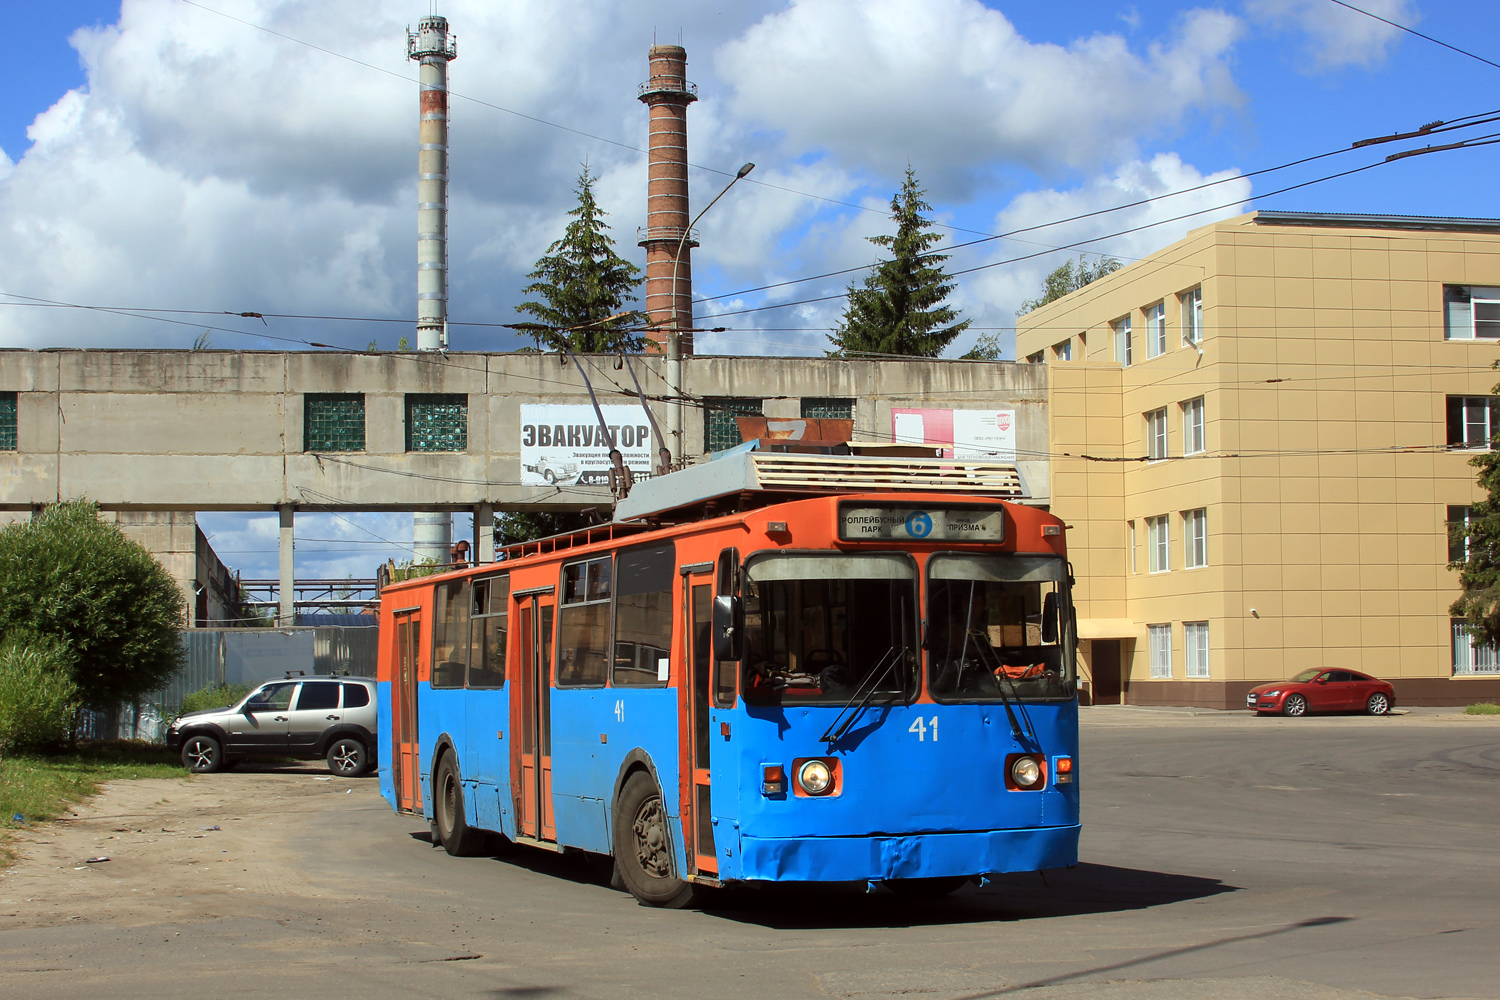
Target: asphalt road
(1222, 857)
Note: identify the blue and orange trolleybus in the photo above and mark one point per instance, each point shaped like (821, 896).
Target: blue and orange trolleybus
(862, 685)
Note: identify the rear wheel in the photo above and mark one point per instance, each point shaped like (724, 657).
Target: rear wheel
(925, 888)
(1379, 704)
(643, 852)
(1295, 705)
(202, 755)
(459, 839)
(348, 758)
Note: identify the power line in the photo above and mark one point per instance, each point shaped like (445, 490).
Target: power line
(1413, 31)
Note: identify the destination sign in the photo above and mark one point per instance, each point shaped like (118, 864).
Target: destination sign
(921, 524)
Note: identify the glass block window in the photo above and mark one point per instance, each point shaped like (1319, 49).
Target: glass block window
(7, 421)
(333, 421)
(437, 422)
(720, 430)
(827, 408)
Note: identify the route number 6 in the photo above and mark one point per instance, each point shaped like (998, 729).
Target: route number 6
(920, 728)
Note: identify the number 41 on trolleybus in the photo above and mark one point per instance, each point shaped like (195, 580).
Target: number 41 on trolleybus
(874, 687)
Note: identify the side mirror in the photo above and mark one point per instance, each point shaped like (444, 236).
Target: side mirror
(729, 628)
(1049, 617)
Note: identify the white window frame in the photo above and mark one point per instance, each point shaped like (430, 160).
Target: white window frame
(1194, 440)
(1192, 316)
(1156, 330)
(1156, 435)
(1485, 406)
(1121, 327)
(1195, 538)
(1159, 544)
(1458, 514)
(1462, 305)
(1064, 350)
(1195, 649)
(1467, 659)
(1159, 644)
(1134, 566)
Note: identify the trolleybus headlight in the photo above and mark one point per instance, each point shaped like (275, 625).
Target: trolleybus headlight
(1025, 772)
(815, 777)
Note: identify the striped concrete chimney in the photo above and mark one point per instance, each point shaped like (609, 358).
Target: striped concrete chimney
(433, 48)
(667, 93)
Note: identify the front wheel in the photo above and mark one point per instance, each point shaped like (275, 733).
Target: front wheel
(348, 758)
(1379, 704)
(202, 755)
(1295, 706)
(643, 853)
(459, 839)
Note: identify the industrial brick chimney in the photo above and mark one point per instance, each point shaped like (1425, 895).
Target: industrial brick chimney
(667, 93)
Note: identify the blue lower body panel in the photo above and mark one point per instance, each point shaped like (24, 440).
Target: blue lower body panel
(918, 855)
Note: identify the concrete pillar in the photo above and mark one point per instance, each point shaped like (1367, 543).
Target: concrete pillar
(288, 615)
(484, 534)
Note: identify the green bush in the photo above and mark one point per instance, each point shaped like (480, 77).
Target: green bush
(214, 696)
(1483, 708)
(37, 694)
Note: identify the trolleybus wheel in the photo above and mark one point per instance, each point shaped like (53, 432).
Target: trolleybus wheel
(643, 853)
(1378, 704)
(459, 839)
(1295, 705)
(925, 888)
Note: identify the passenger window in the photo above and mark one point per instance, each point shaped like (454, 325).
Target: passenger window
(583, 624)
(356, 696)
(318, 696)
(487, 646)
(727, 585)
(272, 698)
(450, 634)
(643, 616)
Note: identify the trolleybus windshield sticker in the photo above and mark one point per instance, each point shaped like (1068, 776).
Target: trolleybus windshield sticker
(922, 524)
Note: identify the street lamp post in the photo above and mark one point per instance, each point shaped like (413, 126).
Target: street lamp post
(674, 335)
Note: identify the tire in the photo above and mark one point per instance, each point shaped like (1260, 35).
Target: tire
(925, 888)
(202, 754)
(1295, 706)
(643, 850)
(459, 839)
(551, 477)
(348, 757)
(1379, 703)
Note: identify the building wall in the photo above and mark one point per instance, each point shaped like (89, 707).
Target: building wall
(1324, 371)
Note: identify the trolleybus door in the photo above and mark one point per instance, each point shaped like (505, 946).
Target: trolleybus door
(697, 809)
(534, 704)
(405, 761)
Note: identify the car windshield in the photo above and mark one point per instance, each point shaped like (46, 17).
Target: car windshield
(1307, 675)
(997, 627)
(828, 627)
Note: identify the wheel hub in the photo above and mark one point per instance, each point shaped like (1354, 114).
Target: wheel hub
(651, 840)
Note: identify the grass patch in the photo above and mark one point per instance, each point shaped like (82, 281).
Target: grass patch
(42, 786)
(1483, 708)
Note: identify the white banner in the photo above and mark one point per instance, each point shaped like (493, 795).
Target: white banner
(564, 446)
(976, 434)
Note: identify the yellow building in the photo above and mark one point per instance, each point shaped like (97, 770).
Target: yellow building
(1258, 437)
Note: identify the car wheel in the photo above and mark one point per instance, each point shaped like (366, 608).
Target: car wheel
(551, 477)
(1378, 704)
(925, 888)
(1295, 705)
(202, 755)
(643, 853)
(348, 758)
(459, 839)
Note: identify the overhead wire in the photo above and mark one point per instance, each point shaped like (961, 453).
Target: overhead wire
(1413, 31)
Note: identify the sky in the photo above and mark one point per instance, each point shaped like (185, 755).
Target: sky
(260, 155)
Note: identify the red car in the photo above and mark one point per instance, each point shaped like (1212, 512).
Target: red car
(1323, 691)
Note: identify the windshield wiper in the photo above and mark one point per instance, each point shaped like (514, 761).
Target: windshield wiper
(998, 672)
(862, 696)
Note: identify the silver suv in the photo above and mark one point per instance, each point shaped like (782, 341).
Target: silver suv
(306, 717)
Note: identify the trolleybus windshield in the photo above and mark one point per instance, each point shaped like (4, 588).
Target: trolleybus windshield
(998, 626)
(820, 627)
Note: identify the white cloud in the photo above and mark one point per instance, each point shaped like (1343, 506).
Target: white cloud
(952, 86)
(1337, 36)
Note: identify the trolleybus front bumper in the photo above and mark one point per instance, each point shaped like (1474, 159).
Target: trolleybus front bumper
(918, 855)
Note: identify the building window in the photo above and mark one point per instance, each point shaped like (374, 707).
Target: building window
(1063, 351)
(8, 432)
(1469, 659)
(1156, 330)
(827, 408)
(1471, 421)
(1130, 537)
(1195, 538)
(1158, 544)
(437, 422)
(1156, 434)
(1192, 316)
(720, 430)
(1458, 533)
(1195, 643)
(1161, 651)
(1036, 359)
(1471, 312)
(333, 421)
(1122, 341)
(1192, 427)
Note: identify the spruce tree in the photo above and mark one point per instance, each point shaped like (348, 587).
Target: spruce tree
(582, 282)
(900, 309)
(1479, 571)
